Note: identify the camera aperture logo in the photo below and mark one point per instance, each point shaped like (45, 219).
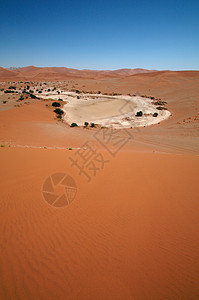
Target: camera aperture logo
(59, 190)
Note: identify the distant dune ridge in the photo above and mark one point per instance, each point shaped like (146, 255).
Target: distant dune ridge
(32, 72)
(62, 73)
(123, 237)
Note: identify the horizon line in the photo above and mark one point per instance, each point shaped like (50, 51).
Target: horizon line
(88, 69)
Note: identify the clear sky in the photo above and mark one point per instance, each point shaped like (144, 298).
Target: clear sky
(106, 34)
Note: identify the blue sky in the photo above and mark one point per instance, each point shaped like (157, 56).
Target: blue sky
(102, 34)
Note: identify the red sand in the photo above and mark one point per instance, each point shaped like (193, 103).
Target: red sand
(61, 73)
(132, 232)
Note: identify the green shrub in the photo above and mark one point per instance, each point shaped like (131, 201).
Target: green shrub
(59, 111)
(139, 114)
(9, 91)
(161, 108)
(73, 125)
(86, 124)
(4, 102)
(33, 96)
(59, 117)
(159, 102)
(56, 104)
(92, 125)
(155, 114)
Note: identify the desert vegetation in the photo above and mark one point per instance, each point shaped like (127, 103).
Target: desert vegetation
(56, 104)
(139, 114)
(59, 111)
(73, 125)
(161, 108)
(159, 102)
(9, 91)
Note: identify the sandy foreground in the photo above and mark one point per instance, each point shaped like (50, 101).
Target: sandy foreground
(131, 231)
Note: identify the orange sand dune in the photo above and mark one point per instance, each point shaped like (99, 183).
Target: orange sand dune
(61, 73)
(35, 125)
(4, 74)
(131, 233)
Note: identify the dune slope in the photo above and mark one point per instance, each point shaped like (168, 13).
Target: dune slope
(131, 233)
